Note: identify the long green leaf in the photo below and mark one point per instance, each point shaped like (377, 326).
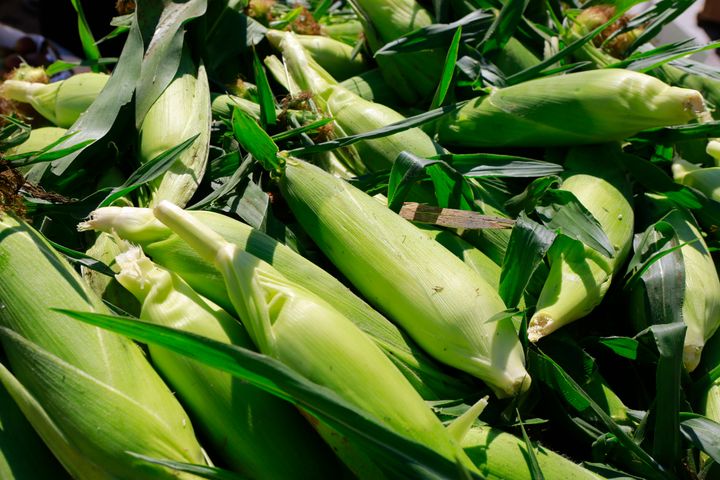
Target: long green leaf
(447, 71)
(163, 33)
(701, 432)
(560, 209)
(504, 25)
(255, 140)
(202, 471)
(267, 103)
(401, 458)
(438, 35)
(496, 165)
(92, 52)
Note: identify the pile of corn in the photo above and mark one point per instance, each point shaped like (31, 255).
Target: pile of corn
(365, 239)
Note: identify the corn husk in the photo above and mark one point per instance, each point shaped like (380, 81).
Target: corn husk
(414, 75)
(140, 227)
(333, 56)
(181, 111)
(291, 324)
(707, 180)
(572, 109)
(442, 304)
(90, 394)
(352, 114)
(22, 453)
(61, 102)
(580, 276)
(254, 432)
(502, 456)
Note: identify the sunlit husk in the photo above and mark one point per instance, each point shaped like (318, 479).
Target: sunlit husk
(579, 275)
(140, 227)
(61, 102)
(182, 111)
(90, 394)
(443, 305)
(253, 431)
(572, 109)
(293, 325)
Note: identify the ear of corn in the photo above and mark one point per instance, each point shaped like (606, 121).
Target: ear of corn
(139, 226)
(22, 453)
(502, 456)
(414, 75)
(256, 433)
(90, 394)
(181, 111)
(353, 114)
(333, 56)
(291, 324)
(442, 304)
(707, 180)
(60, 102)
(371, 86)
(39, 139)
(701, 300)
(579, 275)
(573, 109)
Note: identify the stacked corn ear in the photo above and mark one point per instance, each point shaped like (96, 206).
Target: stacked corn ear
(139, 226)
(182, 111)
(414, 75)
(572, 109)
(254, 432)
(60, 102)
(22, 453)
(90, 394)
(706, 180)
(371, 86)
(605, 55)
(295, 326)
(443, 305)
(515, 57)
(352, 114)
(502, 456)
(701, 298)
(333, 56)
(39, 139)
(579, 275)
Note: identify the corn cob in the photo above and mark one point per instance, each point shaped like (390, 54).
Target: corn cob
(256, 433)
(90, 394)
(39, 139)
(140, 227)
(579, 275)
(442, 304)
(60, 102)
(181, 111)
(502, 456)
(572, 109)
(291, 324)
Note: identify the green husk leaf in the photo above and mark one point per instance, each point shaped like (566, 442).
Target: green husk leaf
(701, 432)
(255, 140)
(529, 242)
(447, 71)
(267, 104)
(402, 458)
(90, 48)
